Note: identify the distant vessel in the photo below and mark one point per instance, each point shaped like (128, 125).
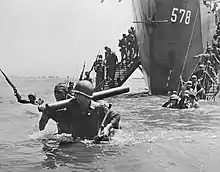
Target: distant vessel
(170, 33)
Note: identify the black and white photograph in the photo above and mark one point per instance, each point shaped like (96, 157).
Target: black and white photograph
(109, 85)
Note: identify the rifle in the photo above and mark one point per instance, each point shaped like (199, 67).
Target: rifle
(81, 75)
(94, 62)
(9, 82)
(18, 96)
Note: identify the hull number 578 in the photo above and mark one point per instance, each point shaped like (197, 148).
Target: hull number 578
(180, 15)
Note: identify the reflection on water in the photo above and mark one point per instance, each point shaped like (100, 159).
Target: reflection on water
(153, 138)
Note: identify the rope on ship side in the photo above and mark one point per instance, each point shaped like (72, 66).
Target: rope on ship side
(189, 45)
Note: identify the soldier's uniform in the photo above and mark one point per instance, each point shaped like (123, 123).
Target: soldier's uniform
(216, 51)
(197, 88)
(200, 72)
(107, 61)
(130, 45)
(209, 56)
(99, 68)
(112, 67)
(212, 58)
(135, 41)
(78, 121)
(123, 48)
(87, 77)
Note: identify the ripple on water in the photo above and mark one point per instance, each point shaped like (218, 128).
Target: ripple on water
(152, 138)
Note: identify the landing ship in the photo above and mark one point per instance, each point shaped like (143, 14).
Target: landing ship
(170, 33)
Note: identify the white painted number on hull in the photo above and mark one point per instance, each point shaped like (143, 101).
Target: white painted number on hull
(180, 15)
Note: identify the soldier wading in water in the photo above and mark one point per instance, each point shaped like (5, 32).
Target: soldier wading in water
(83, 118)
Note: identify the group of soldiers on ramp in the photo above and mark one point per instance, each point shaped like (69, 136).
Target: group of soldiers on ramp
(105, 68)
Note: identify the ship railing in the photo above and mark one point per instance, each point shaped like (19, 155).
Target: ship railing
(123, 74)
(213, 91)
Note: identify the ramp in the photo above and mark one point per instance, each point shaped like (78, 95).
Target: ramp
(122, 73)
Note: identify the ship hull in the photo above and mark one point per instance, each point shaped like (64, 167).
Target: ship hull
(180, 30)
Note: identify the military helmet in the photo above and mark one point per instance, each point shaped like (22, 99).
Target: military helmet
(201, 66)
(208, 62)
(175, 92)
(32, 95)
(174, 97)
(85, 88)
(99, 56)
(209, 48)
(124, 35)
(189, 83)
(71, 83)
(186, 92)
(194, 77)
(132, 28)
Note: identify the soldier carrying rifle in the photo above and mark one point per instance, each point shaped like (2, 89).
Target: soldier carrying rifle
(31, 97)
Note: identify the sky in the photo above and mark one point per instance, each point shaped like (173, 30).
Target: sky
(55, 37)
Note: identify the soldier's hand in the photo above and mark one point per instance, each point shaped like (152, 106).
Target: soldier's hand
(40, 101)
(41, 108)
(106, 131)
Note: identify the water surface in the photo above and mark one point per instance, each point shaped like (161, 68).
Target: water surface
(152, 138)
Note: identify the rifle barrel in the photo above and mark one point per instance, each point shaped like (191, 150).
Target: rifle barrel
(8, 80)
